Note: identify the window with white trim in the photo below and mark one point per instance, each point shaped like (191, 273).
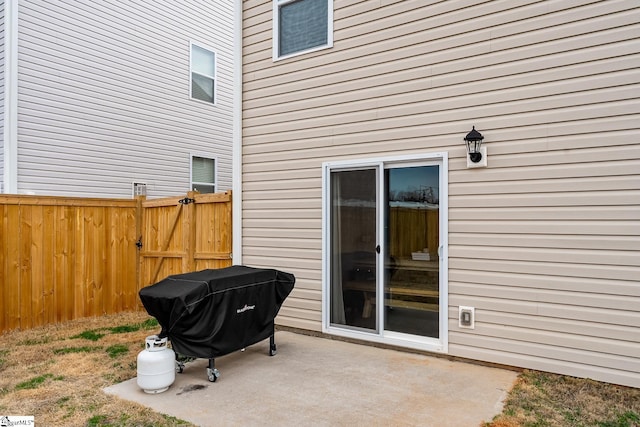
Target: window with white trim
(203, 174)
(203, 74)
(301, 26)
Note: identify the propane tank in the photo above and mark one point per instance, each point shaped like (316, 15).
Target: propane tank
(156, 365)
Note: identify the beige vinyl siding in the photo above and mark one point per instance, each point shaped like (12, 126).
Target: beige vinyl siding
(545, 242)
(104, 96)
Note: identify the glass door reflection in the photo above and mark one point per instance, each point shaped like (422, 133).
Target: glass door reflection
(353, 224)
(411, 285)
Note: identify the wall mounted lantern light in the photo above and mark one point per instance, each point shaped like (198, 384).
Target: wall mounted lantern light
(477, 153)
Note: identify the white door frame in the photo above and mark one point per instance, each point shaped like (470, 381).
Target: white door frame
(439, 345)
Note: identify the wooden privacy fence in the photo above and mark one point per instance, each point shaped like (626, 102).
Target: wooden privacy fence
(65, 258)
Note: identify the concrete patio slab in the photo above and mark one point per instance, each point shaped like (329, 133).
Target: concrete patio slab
(322, 382)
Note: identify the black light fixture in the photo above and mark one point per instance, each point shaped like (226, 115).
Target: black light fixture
(474, 142)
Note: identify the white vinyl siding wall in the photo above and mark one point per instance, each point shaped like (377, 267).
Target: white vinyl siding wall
(544, 243)
(104, 96)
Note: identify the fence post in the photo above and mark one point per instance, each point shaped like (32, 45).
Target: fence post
(189, 233)
(139, 225)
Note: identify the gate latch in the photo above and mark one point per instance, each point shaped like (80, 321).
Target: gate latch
(139, 243)
(186, 201)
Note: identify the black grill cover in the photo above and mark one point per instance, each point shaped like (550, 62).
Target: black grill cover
(210, 313)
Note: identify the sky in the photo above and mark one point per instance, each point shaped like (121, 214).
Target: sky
(414, 178)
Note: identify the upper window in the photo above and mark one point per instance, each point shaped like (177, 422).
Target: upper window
(203, 74)
(301, 26)
(203, 174)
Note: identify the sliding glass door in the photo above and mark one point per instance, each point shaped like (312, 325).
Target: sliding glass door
(383, 251)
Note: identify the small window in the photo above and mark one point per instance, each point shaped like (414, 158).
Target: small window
(203, 74)
(301, 26)
(203, 174)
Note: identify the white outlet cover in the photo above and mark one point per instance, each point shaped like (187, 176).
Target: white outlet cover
(464, 310)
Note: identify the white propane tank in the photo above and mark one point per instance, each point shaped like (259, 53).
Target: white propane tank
(156, 365)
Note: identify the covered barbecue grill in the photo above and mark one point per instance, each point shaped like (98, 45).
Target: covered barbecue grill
(210, 313)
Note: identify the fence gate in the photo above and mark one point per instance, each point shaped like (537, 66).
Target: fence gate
(180, 235)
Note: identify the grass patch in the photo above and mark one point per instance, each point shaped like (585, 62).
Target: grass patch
(34, 382)
(35, 341)
(71, 394)
(151, 323)
(63, 400)
(68, 350)
(125, 420)
(97, 421)
(91, 335)
(544, 399)
(3, 358)
(173, 421)
(121, 329)
(628, 419)
(116, 350)
(125, 329)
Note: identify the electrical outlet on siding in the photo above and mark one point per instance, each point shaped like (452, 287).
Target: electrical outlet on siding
(466, 317)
